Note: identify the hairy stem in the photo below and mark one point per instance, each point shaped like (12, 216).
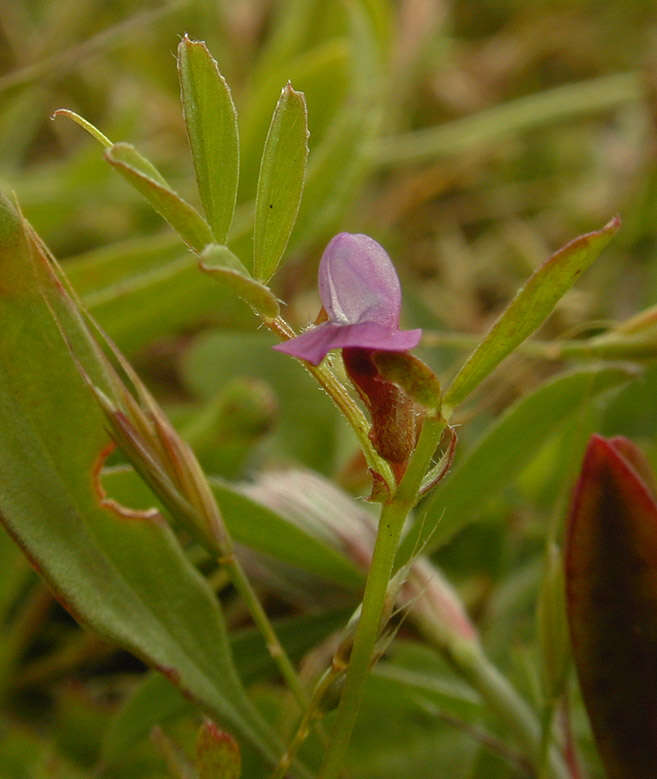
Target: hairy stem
(391, 522)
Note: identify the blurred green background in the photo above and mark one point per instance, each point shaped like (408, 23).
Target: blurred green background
(476, 138)
(471, 138)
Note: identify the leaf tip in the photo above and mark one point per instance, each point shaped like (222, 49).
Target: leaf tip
(289, 91)
(187, 43)
(614, 224)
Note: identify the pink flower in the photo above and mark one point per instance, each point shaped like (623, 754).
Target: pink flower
(361, 295)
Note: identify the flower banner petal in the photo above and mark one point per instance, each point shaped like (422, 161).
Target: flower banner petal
(358, 282)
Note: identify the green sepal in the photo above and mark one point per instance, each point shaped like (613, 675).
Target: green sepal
(415, 377)
(228, 270)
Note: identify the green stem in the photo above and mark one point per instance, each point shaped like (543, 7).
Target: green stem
(546, 735)
(322, 686)
(391, 522)
(259, 616)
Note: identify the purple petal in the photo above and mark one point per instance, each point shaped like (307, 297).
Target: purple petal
(358, 282)
(314, 344)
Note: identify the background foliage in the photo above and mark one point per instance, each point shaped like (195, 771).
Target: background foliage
(472, 139)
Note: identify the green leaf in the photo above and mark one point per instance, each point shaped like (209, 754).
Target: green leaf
(254, 525)
(211, 121)
(124, 577)
(147, 180)
(505, 448)
(155, 700)
(280, 182)
(227, 269)
(529, 308)
(85, 124)
(265, 531)
(611, 584)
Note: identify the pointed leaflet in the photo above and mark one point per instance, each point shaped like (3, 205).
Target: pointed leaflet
(322, 73)
(128, 579)
(211, 121)
(147, 180)
(611, 586)
(280, 183)
(529, 308)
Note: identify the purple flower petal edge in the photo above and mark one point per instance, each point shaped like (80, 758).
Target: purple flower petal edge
(313, 345)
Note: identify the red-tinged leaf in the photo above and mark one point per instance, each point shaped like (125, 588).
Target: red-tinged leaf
(217, 753)
(126, 578)
(611, 585)
(635, 457)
